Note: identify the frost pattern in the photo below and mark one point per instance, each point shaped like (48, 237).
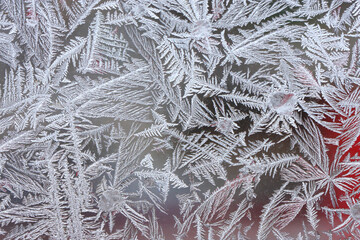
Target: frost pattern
(179, 119)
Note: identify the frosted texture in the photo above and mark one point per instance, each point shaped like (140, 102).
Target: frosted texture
(179, 119)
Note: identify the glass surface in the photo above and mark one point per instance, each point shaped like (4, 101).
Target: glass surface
(179, 119)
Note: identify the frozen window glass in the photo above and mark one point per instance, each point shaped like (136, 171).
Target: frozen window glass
(179, 119)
